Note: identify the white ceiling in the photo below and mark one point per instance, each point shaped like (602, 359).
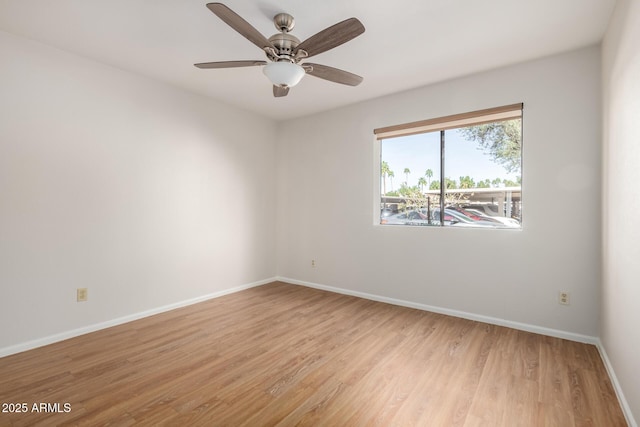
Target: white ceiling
(406, 44)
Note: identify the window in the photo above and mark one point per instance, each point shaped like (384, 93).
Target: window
(463, 170)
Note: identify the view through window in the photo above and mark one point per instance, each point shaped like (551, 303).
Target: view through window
(478, 157)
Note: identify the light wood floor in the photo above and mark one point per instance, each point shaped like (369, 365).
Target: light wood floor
(287, 355)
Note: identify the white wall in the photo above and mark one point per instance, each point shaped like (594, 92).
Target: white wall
(621, 237)
(143, 193)
(326, 202)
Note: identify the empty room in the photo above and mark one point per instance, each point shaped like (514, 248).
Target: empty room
(261, 213)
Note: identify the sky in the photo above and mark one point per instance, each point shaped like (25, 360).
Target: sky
(422, 152)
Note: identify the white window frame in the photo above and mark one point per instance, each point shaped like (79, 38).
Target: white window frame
(478, 117)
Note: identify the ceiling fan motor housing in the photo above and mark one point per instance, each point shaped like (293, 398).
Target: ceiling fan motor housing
(285, 44)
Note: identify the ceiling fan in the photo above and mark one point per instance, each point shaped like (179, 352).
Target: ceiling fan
(286, 53)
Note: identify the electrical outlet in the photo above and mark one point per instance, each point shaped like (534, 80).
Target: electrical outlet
(313, 263)
(81, 294)
(564, 298)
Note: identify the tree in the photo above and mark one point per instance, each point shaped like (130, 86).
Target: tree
(496, 182)
(422, 182)
(390, 174)
(451, 184)
(405, 190)
(501, 140)
(484, 184)
(384, 173)
(467, 182)
(406, 173)
(428, 173)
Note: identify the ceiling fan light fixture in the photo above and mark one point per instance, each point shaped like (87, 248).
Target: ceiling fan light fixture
(283, 73)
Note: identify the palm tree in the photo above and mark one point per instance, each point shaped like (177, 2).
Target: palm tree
(384, 173)
(428, 174)
(467, 182)
(422, 182)
(406, 173)
(390, 174)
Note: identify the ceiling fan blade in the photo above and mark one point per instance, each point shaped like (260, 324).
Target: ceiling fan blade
(331, 37)
(229, 64)
(332, 74)
(280, 91)
(236, 22)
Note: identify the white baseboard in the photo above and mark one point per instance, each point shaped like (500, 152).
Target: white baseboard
(626, 410)
(455, 313)
(18, 348)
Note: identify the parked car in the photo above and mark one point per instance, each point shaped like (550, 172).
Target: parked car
(507, 222)
(471, 215)
(406, 218)
(487, 209)
(490, 210)
(454, 218)
(386, 212)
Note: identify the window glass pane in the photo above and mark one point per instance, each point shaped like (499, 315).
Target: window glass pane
(483, 175)
(481, 172)
(409, 179)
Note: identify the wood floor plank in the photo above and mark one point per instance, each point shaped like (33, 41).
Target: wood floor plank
(286, 355)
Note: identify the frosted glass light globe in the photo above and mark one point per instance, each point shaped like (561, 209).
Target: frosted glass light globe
(284, 73)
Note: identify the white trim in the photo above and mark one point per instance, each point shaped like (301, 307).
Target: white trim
(626, 410)
(456, 313)
(29, 345)
(377, 182)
